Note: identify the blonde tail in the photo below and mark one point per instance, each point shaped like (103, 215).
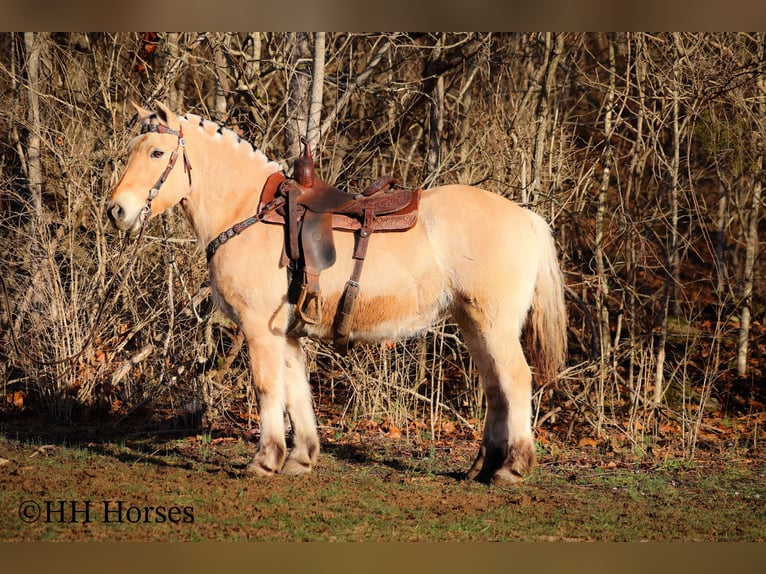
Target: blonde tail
(547, 324)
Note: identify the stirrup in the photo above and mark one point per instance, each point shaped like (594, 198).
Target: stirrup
(308, 308)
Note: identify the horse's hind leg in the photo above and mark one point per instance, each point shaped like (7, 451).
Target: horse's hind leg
(305, 449)
(507, 450)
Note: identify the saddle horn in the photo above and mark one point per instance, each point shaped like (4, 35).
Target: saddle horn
(303, 167)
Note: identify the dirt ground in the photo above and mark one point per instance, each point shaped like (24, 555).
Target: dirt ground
(368, 487)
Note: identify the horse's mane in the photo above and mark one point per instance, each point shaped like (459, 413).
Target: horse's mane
(214, 131)
(228, 136)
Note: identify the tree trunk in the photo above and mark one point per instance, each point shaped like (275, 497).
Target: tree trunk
(220, 42)
(32, 43)
(554, 44)
(636, 176)
(298, 96)
(670, 298)
(172, 56)
(253, 62)
(602, 293)
(464, 101)
(435, 126)
(751, 247)
(317, 91)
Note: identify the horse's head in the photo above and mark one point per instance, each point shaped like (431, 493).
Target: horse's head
(151, 182)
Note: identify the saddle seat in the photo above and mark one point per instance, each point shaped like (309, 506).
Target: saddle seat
(312, 210)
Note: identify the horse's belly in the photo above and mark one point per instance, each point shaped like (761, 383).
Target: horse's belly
(402, 287)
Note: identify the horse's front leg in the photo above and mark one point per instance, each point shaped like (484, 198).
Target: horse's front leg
(267, 360)
(305, 451)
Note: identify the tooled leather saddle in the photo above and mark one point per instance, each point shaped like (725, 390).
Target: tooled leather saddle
(311, 211)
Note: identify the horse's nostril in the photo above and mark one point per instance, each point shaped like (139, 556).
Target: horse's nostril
(116, 213)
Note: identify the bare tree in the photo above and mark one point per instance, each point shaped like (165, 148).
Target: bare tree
(219, 44)
(33, 42)
(317, 91)
(554, 45)
(435, 123)
(673, 248)
(602, 295)
(172, 60)
(755, 180)
(298, 95)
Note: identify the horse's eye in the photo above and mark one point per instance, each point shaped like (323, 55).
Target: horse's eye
(157, 153)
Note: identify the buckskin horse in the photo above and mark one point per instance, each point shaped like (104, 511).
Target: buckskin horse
(471, 254)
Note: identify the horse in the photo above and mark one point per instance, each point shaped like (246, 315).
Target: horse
(474, 255)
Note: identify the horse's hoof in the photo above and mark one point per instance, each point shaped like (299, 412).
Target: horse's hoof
(257, 468)
(472, 474)
(293, 467)
(477, 466)
(505, 477)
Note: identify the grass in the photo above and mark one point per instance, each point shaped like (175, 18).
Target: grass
(367, 492)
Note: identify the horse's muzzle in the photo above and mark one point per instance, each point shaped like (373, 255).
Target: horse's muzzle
(120, 218)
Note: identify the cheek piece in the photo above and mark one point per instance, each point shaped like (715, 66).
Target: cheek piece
(155, 190)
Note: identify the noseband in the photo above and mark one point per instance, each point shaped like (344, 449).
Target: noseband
(162, 129)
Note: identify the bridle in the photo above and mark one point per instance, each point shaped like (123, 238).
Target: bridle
(155, 190)
(223, 237)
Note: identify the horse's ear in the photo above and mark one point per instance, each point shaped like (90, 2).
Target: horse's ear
(142, 112)
(166, 115)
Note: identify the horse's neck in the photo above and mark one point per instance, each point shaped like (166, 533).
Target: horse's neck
(228, 176)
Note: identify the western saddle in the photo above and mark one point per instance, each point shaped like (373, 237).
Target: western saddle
(310, 210)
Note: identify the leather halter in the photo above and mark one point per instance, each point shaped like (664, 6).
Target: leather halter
(155, 190)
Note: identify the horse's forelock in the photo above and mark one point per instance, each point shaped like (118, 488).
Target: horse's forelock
(134, 143)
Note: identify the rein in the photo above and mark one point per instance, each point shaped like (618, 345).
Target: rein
(118, 279)
(238, 228)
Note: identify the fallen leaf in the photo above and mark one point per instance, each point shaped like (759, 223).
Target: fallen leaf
(15, 398)
(587, 441)
(223, 439)
(448, 427)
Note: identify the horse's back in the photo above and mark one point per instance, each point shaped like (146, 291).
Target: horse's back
(467, 224)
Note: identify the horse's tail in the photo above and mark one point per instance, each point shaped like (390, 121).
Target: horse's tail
(547, 324)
